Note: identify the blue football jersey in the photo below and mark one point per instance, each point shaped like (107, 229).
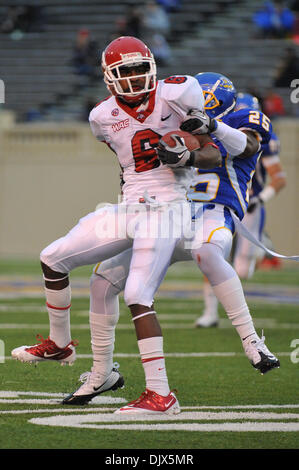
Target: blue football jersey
(271, 149)
(230, 184)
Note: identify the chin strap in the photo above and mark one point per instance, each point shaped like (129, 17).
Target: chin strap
(133, 104)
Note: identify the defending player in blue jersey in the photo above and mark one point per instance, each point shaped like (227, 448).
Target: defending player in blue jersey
(228, 185)
(269, 178)
(216, 194)
(246, 253)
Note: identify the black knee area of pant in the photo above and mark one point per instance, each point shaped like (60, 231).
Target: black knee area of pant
(50, 274)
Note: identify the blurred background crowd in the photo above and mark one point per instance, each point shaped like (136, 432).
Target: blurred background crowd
(50, 50)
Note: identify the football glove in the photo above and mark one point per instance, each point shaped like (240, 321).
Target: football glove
(253, 203)
(175, 156)
(198, 122)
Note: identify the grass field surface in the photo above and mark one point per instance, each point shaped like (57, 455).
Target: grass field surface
(226, 403)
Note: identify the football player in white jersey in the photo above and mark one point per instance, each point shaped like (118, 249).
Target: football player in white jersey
(214, 246)
(131, 121)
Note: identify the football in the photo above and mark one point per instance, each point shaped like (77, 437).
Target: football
(192, 142)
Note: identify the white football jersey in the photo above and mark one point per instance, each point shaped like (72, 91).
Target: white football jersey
(133, 134)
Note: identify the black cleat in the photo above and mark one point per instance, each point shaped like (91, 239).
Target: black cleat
(267, 363)
(259, 355)
(92, 387)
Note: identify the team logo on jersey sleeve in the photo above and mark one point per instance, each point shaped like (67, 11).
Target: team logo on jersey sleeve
(115, 112)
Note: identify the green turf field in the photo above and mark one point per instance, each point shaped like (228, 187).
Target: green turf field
(226, 403)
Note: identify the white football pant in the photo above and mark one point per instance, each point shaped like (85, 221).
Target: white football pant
(209, 247)
(150, 233)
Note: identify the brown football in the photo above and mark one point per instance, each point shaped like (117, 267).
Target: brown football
(192, 142)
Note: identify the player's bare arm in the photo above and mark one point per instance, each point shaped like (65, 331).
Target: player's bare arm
(208, 156)
(276, 174)
(252, 144)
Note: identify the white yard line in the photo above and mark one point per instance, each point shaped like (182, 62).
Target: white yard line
(175, 354)
(100, 409)
(95, 420)
(101, 417)
(224, 324)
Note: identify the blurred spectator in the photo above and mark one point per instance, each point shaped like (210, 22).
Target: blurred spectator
(160, 48)
(273, 104)
(9, 23)
(288, 69)
(156, 27)
(85, 57)
(274, 20)
(130, 24)
(170, 5)
(33, 115)
(155, 20)
(294, 5)
(27, 18)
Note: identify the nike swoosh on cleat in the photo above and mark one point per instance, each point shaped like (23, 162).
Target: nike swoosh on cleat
(164, 118)
(166, 404)
(97, 388)
(52, 355)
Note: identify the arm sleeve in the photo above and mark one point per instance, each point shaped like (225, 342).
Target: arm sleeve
(233, 140)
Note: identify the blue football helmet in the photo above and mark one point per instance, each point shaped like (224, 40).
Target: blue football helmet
(246, 100)
(219, 93)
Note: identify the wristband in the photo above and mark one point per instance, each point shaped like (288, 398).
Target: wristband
(210, 143)
(267, 193)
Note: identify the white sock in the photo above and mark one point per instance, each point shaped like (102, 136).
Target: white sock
(102, 328)
(152, 358)
(58, 305)
(103, 318)
(230, 294)
(210, 300)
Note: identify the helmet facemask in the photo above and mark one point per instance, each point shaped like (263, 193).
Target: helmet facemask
(114, 73)
(212, 102)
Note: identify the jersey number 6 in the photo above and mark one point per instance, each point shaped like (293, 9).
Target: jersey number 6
(143, 148)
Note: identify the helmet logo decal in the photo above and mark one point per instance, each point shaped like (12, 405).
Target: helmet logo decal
(129, 55)
(226, 84)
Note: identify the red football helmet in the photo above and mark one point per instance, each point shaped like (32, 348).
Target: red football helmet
(127, 51)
